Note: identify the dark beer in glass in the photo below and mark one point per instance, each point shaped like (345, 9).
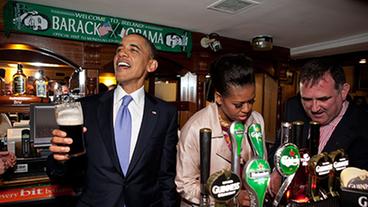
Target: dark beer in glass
(69, 117)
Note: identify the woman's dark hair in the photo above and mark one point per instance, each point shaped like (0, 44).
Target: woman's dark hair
(315, 69)
(231, 70)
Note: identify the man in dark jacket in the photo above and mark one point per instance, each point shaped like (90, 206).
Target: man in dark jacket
(323, 98)
(138, 176)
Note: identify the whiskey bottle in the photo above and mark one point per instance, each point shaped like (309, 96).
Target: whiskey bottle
(40, 85)
(2, 81)
(19, 81)
(299, 188)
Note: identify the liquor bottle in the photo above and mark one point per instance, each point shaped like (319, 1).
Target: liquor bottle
(19, 81)
(40, 85)
(2, 82)
(299, 191)
(286, 132)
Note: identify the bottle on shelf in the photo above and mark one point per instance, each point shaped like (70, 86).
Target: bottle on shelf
(41, 84)
(2, 82)
(19, 81)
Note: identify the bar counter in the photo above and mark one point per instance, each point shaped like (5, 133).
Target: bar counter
(35, 190)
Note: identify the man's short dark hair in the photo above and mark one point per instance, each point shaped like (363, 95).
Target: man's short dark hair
(315, 69)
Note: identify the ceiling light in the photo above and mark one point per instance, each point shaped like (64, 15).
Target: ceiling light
(363, 61)
(262, 42)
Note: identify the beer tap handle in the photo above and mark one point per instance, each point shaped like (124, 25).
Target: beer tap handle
(236, 135)
(287, 161)
(256, 140)
(256, 173)
(282, 190)
(205, 162)
(320, 167)
(339, 162)
(256, 177)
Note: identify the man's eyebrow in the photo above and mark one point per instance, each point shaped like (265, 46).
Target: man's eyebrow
(318, 98)
(135, 46)
(307, 98)
(324, 98)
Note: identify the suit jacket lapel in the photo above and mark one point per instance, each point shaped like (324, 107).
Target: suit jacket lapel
(149, 121)
(105, 123)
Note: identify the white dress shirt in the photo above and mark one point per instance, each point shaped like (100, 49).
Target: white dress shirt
(136, 108)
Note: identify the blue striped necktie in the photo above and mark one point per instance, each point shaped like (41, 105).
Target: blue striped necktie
(123, 133)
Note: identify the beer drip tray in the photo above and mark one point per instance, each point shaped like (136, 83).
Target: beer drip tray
(335, 202)
(353, 198)
(348, 197)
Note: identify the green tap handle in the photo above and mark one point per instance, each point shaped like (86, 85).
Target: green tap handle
(256, 140)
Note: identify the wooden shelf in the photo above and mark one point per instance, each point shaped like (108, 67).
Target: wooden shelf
(19, 104)
(14, 108)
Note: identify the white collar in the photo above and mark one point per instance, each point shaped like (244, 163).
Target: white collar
(137, 96)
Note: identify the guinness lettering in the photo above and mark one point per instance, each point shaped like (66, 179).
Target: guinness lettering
(363, 201)
(340, 165)
(323, 169)
(223, 185)
(362, 186)
(226, 190)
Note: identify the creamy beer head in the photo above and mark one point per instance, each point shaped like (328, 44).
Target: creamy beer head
(69, 116)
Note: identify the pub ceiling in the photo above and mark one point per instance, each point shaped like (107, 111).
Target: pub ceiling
(308, 28)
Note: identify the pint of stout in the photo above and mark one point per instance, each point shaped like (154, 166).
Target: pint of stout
(69, 117)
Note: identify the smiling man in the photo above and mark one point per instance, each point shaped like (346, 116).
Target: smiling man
(131, 145)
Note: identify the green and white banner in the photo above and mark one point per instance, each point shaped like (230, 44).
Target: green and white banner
(62, 23)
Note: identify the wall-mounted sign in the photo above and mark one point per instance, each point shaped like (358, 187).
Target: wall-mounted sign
(62, 23)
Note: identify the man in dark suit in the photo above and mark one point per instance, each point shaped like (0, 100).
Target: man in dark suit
(323, 98)
(148, 179)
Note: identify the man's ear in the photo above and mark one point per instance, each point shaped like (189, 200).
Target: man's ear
(345, 90)
(152, 65)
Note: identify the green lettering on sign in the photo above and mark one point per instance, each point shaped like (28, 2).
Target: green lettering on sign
(68, 24)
